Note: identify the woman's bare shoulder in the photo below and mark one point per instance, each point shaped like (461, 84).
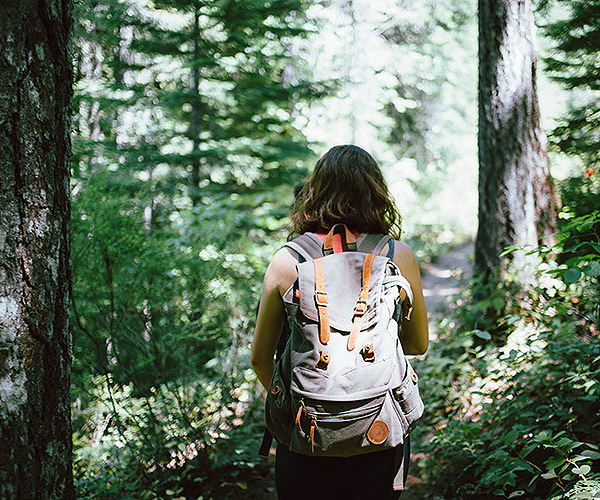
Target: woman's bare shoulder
(404, 256)
(281, 272)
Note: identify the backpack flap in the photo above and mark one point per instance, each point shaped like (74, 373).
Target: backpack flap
(343, 285)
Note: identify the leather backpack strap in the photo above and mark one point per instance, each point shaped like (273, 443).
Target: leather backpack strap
(361, 305)
(321, 299)
(339, 239)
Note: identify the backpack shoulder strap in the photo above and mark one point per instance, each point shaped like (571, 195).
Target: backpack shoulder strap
(307, 245)
(374, 243)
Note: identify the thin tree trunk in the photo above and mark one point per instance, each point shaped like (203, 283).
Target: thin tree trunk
(516, 197)
(195, 125)
(35, 276)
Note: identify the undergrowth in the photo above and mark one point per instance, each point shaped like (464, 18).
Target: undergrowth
(518, 415)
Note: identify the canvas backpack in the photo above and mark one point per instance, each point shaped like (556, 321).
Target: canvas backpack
(343, 385)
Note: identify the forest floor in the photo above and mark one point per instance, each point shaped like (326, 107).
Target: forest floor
(442, 280)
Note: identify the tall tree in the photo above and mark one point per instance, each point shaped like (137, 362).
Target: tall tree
(516, 197)
(35, 341)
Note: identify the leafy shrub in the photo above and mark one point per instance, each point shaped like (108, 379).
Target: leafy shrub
(522, 418)
(162, 317)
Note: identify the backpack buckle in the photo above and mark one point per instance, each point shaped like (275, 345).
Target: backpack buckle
(323, 362)
(367, 352)
(321, 297)
(361, 307)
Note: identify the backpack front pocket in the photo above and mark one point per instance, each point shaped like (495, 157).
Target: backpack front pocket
(333, 428)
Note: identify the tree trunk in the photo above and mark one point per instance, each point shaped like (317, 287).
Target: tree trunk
(35, 340)
(196, 112)
(516, 199)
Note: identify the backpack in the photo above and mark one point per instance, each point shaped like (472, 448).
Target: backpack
(343, 385)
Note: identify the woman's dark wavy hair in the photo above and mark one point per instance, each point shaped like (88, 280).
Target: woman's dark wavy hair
(346, 186)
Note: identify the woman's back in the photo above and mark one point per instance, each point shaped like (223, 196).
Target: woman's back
(346, 187)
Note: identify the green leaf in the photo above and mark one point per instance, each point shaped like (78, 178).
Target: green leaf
(482, 334)
(554, 462)
(572, 275)
(498, 303)
(549, 475)
(517, 493)
(593, 270)
(594, 455)
(585, 469)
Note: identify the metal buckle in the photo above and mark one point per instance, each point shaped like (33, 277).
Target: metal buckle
(321, 298)
(361, 308)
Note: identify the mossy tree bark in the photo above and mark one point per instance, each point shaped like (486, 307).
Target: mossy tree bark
(517, 204)
(35, 340)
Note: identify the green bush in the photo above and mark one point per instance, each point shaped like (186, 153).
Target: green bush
(163, 313)
(522, 417)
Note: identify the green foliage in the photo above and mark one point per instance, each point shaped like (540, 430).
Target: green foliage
(432, 105)
(192, 94)
(573, 62)
(161, 335)
(185, 150)
(522, 417)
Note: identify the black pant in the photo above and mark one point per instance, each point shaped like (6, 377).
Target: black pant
(361, 477)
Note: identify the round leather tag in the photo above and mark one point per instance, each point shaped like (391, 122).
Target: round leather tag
(378, 432)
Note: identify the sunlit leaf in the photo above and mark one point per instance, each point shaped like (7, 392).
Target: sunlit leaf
(549, 475)
(482, 334)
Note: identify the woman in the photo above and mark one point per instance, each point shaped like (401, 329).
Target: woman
(346, 186)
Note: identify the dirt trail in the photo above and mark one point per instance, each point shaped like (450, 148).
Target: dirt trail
(445, 279)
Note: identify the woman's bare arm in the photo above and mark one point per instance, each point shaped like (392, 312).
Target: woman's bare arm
(415, 332)
(280, 275)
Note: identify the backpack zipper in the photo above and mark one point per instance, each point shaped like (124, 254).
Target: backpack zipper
(338, 416)
(313, 426)
(302, 411)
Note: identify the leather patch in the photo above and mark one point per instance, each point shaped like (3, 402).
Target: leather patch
(368, 353)
(323, 362)
(378, 432)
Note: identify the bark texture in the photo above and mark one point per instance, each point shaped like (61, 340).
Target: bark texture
(516, 198)
(35, 340)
